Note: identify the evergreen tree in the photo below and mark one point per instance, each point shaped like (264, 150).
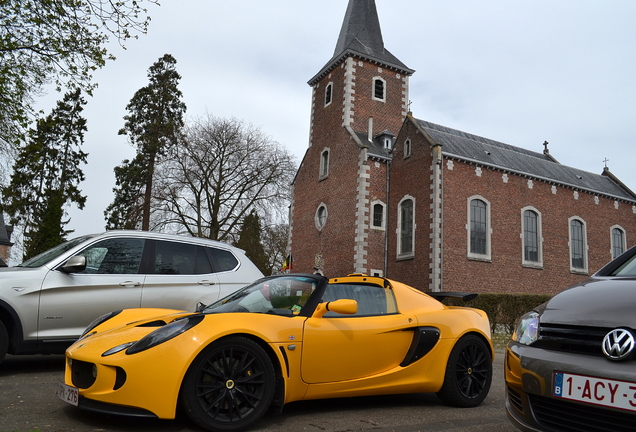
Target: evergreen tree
(126, 209)
(47, 174)
(153, 124)
(250, 241)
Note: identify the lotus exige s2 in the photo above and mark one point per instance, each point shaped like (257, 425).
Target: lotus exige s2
(281, 339)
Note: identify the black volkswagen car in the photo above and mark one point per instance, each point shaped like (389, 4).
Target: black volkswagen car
(570, 365)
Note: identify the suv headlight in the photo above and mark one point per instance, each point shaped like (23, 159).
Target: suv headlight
(527, 330)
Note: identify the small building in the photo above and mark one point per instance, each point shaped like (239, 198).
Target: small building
(5, 242)
(384, 193)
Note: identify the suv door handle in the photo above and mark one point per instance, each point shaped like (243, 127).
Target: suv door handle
(206, 282)
(130, 283)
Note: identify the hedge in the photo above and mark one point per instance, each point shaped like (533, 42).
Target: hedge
(503, 309)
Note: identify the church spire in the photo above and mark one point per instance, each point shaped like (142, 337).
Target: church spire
(361, 29)
(361, 36)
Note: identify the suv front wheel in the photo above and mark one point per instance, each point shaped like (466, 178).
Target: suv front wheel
(4, 341)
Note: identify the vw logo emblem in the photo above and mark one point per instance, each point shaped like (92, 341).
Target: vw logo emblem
(618, 344)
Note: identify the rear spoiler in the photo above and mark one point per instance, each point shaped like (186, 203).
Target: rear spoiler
(439, 296)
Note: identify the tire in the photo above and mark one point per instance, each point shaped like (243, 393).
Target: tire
(468, 373)
(229, 386)
(4, 341)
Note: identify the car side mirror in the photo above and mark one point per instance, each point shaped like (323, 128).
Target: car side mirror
(75, 264)
(342, 306)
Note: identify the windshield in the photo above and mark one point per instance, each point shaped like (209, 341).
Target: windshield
(285, 295)
(51, 254)
(627, 269)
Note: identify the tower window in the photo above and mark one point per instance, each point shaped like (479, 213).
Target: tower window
(328, 94)
(324, 164)
(379, 89)
(321, 216)
(378, 215)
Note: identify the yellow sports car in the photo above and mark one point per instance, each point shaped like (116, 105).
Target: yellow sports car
(282, 339)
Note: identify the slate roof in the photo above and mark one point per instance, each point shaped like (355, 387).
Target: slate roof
(375, 147)
(541, 166)
(361, 36)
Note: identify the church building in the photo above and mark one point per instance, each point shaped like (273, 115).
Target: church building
(383, 193)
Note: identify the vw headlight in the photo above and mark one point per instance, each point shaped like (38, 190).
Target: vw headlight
(527, 330)
(165, 333)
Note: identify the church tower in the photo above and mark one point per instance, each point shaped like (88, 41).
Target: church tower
(359, 102)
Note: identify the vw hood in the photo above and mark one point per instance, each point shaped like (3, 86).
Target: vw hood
(597, 302)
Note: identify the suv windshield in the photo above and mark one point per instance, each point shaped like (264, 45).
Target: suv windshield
(280, 296)
(51, 254)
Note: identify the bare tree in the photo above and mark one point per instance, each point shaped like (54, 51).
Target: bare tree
(221, 170)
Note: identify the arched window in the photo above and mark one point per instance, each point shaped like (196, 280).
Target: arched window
(478, 228)
(618, 241)
(407, 148)
(578, 246)
(406, 230)
(531, 237)
(324, 164)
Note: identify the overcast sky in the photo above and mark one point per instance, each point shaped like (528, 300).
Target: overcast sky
(519, 72)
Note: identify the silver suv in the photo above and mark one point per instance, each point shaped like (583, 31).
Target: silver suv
(47, 301)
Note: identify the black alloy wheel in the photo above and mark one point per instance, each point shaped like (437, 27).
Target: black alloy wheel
(468, 373)
(229, 386)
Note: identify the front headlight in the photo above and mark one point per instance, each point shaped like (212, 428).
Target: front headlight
(102, 319)
(527, 330)
(165, 333)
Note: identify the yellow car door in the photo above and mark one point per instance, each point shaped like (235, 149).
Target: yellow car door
(346, 347)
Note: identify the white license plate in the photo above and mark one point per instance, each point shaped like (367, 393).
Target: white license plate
(594, 390)
(67, 393)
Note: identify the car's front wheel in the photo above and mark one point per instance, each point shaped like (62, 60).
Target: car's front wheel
(229, 386)
(4, 341)
(468, 373)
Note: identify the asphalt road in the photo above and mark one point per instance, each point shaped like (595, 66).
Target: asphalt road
(28, 403)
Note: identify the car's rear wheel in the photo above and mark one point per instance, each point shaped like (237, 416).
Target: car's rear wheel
(468, 373)
(4, 341)
(229, 386)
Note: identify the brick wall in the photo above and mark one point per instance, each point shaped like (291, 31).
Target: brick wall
(507, 195)
(411, 176)
(347, 237)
